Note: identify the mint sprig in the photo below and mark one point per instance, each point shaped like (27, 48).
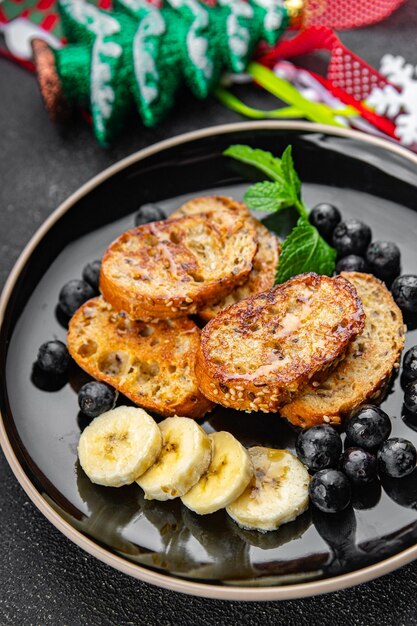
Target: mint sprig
(304, 250)
(261, 159)
(285, 191)
(267, 196)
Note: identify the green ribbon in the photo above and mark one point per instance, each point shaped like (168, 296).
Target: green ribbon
(282, 89)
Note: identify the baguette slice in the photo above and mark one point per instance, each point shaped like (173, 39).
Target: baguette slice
(150, 363)
(262, 276)
(370, 359)
(202, 204)
(257, 354)
(175, 267)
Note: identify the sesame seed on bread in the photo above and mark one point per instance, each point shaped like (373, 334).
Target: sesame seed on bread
(257, 354)
(367, 367)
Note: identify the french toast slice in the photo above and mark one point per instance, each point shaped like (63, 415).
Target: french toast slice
(367, 367)
(150, 363)
(201, 204)
(257, 354)
(172, 268)
(262, 276)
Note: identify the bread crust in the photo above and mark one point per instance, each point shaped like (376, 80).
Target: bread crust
(172, 268)
(201, 204)
(265, 261)
(151, 363)
(257, 354)
(367, 368)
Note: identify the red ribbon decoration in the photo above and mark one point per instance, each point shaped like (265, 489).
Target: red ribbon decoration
(349, 78)
(345, 14)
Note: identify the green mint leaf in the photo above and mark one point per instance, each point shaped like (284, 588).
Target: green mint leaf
(268, 196)
(262, 160)
(289, 172)
(305, 251)
(281, 223)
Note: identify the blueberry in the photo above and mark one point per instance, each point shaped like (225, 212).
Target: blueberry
(396, 457)
(53, 357)
(96, 398)
(351, 263)
(404, 291)
(410, 397)
(149, 213)
(384, 259)
(410, 364)
(91, 273)
(330, 491)
(351, 237)
(319, 447)
(358, 465)
(325, 217)
(73, 294)
(368, 427)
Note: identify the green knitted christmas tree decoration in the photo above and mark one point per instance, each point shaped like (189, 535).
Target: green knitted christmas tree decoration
(139, 55)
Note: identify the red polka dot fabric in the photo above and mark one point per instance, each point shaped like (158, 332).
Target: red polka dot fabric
(352, 74)
(344, 14)
(345, 70)
(348, 76)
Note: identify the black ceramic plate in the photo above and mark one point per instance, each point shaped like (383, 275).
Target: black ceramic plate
(164, 543)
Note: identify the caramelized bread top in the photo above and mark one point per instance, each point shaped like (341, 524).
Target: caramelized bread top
(201, 204)
(265, 262)
(262, 276)
(364, 372)
(171, 268)
(278, 340)
(150, 363)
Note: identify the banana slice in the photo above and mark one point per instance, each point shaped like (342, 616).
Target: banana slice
(277, 494)
(228, 475)
(185, 457)
(118, 446)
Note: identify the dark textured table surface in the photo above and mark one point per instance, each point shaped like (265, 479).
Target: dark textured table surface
(44, 578)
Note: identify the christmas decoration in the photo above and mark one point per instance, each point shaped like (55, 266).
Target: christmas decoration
(352, 94)
(139, 54)
(349, 78)
(107, 58)
(399, 97)
(306, 96)
(336, 14)
(344, 14)
(41, 13)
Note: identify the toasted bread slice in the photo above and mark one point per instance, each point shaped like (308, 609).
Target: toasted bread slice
(211, 203)
(150, 363)
(259, 353)
(262, 276)
(367, 367)
(175, 267)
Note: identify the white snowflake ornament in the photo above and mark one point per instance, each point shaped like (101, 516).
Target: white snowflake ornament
(400, 103)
